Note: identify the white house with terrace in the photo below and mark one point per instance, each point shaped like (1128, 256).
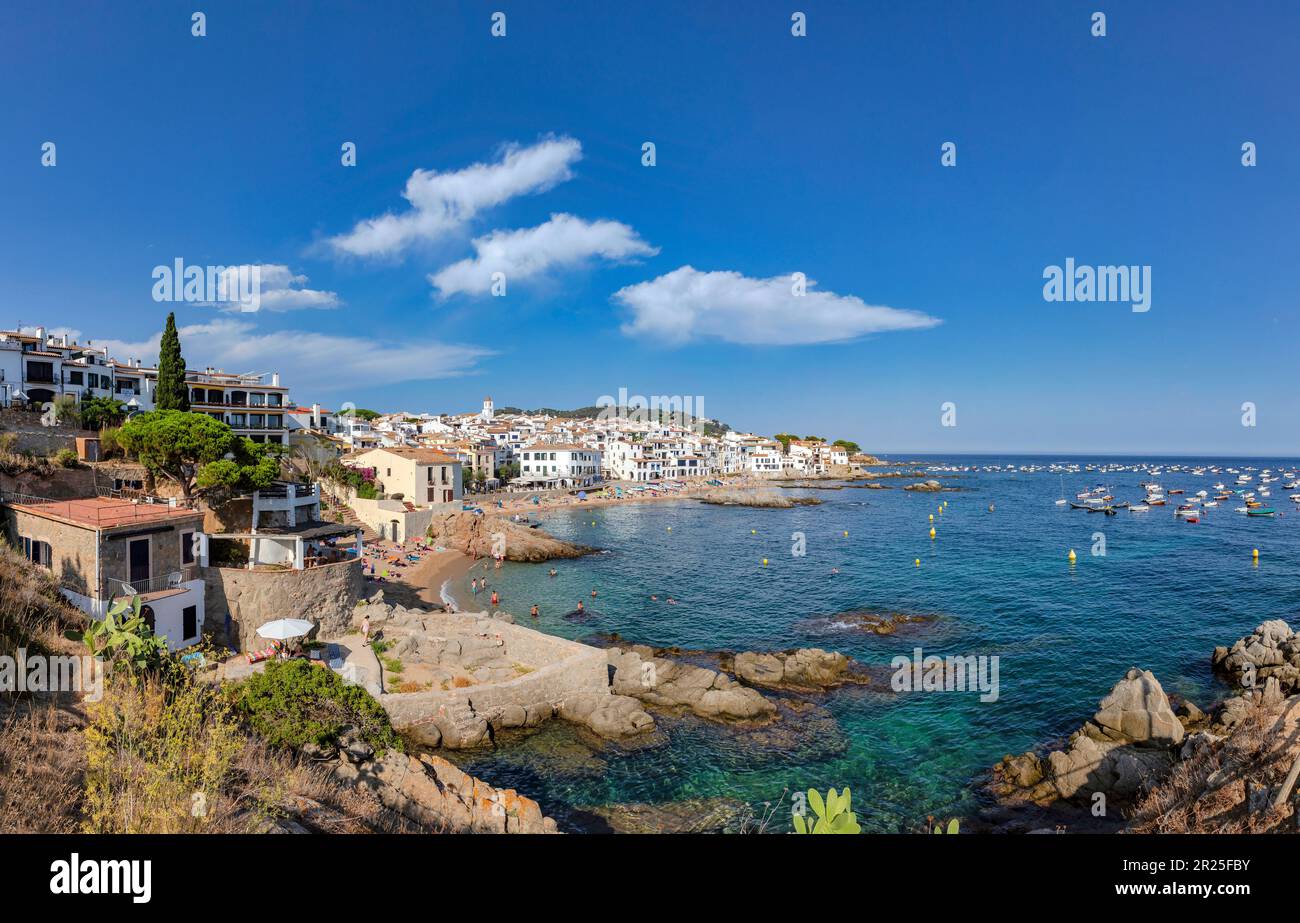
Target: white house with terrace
(544, 464)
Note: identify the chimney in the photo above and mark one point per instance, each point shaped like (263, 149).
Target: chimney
(275, 379)
(315, 416)
(40, 335)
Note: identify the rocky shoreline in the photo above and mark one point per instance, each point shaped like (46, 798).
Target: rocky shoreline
(1150, 762)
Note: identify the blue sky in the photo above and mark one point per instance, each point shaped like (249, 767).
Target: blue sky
(775, 154)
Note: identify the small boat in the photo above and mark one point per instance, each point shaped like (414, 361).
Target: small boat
(1210, 503)
(1138, 508)
(1261, 511)
(1174, 493)
(1156, 501)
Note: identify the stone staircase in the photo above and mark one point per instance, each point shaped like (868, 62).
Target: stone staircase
(330, 510)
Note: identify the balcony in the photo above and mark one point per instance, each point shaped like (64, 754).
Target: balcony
(162, 585)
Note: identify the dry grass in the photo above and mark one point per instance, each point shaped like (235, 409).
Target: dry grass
(1208, 793)
(42, 764)
(462, 682)
(32, 611)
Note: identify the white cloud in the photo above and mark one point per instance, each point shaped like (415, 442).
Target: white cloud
(563, 241)
(687, 304)
(309, 361)
(281, 289)
(443, 202)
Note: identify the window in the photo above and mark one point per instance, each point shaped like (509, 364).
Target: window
(76, 378)
(37, 552)
(432, 493)
(189, 622)
(41, 371)
(187, 549)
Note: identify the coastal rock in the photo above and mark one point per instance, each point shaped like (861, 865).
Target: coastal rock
(803, 669)
(1125, 750)
(609, 716)
(1137, 710)
(476, 535)
(1272, 650)
(926, 486)
(759, 499)
(670, 684)
(434, 793)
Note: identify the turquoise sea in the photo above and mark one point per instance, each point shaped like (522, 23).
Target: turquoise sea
(1161, 597)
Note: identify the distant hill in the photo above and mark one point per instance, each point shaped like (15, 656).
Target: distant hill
(709, 427)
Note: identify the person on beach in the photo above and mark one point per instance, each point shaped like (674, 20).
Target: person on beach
(473, 586)
(365, 631)
(533, 611)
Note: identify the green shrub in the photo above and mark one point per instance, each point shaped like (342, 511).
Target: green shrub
(66, 458)
(292, 703)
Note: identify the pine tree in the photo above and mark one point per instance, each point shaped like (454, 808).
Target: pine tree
(172, 393)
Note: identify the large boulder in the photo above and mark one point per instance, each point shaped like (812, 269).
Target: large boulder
(434, 793)
(806, 668)
(672, 684)
(608, 716)
(1126, 749)
(1138, 711)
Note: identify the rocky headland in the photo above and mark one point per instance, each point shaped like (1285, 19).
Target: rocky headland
(476, 535)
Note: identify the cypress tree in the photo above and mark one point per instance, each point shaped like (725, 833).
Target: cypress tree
(172, 393)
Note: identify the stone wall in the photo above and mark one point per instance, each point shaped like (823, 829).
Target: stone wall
(239, 601)
(562, 668)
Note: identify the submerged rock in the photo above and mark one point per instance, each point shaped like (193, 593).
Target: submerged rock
(695, 815)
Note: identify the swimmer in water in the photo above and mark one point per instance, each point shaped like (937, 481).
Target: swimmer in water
(553, 572)
(579, 609)
(593, 592)
(495, 598)
(533, 611)
(654, 598)
(671, 601)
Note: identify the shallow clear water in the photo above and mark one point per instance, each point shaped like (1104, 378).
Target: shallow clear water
(1163, 595)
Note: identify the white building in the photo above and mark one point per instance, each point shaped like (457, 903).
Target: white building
(558, 465)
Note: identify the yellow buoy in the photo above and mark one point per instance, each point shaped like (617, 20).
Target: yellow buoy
(918, 562)
(931, 531)
(765, 562)
(1071, 556)
(932, 517)
(1255, 554)
(846, 533)
(753, 531)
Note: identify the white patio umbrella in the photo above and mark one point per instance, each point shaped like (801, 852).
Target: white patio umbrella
(283, 629)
